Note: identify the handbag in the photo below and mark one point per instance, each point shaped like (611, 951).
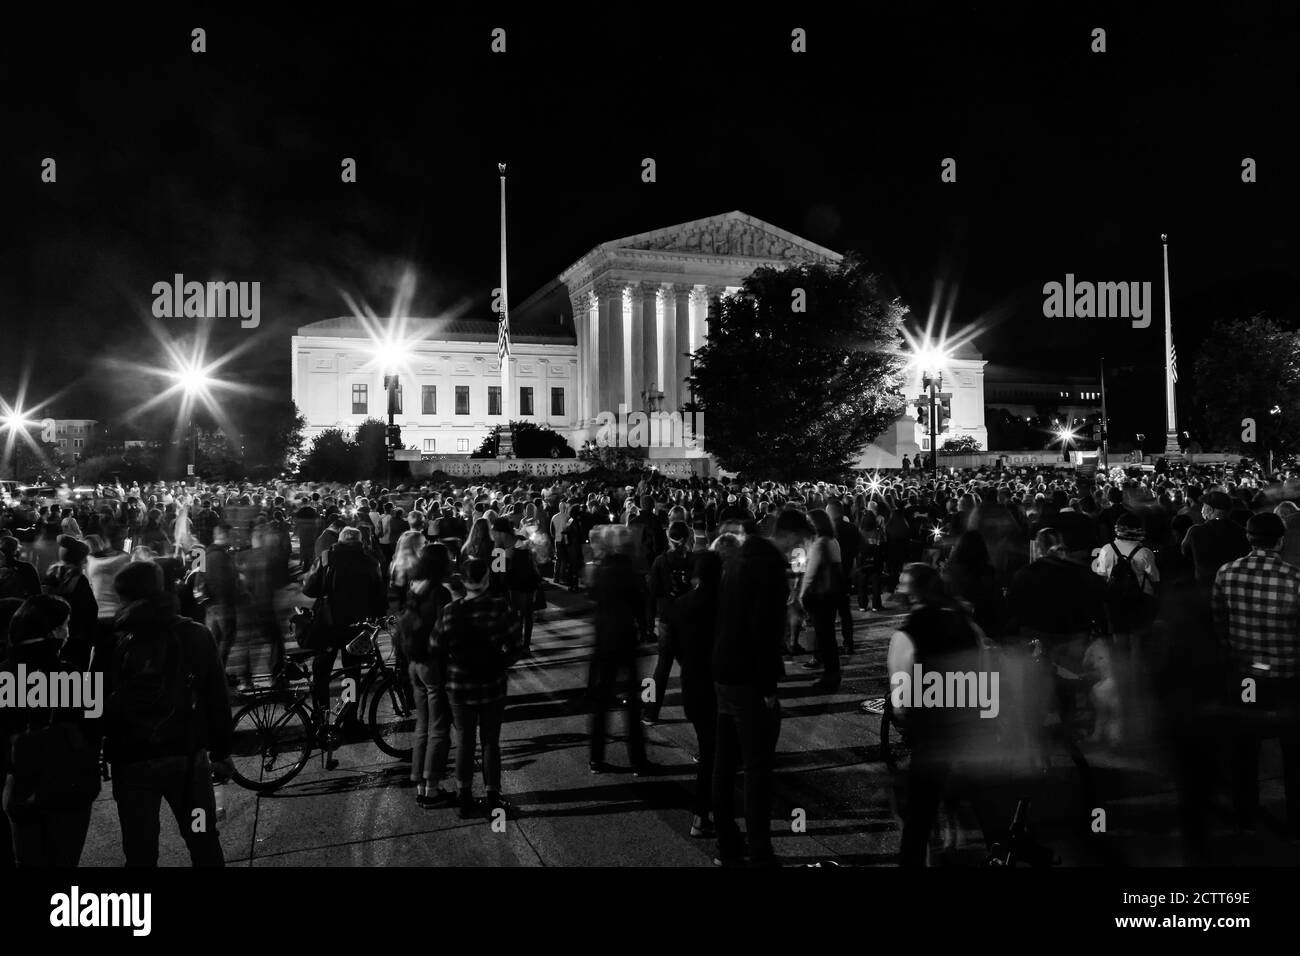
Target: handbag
(313, 627)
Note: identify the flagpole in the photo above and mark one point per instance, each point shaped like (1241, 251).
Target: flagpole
(1171, 401)
(505, 321)
(1105, 422)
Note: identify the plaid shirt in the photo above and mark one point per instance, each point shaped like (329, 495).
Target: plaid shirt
(481, 637)
(1257, 612)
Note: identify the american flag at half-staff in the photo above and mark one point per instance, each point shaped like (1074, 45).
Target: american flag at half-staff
(503, 323)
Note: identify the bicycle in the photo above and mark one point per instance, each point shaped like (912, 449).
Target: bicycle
(275, 733)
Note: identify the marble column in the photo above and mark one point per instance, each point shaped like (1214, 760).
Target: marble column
(684, 297)
(638, 316)
(668, 352)
(711, 296)
(650, 337)
(581, 336)
(612, 388)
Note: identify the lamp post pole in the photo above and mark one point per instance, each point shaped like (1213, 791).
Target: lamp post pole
(1105, 433)
(390, 388)
(933, 381)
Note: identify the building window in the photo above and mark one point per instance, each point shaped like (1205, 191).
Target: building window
(359, 399)
(557, 401)
(76, 443)
(462, 399)
(431, 444)
(494, 399)
(526, 400)
(462, 444)
(429, 399)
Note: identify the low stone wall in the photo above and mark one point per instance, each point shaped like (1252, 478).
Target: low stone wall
(462, 466)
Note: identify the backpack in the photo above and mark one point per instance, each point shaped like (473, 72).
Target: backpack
(11, 585)
(52, 767)
(152, 703)
(415, 626)
(1127, 605)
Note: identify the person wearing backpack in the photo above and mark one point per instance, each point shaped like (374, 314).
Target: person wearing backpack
(426, 595)
(1131, 575)
(349, 587)
(49, 757)
(167, 721)
(670, 578)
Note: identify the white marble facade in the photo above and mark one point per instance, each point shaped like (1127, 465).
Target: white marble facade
(615, 329)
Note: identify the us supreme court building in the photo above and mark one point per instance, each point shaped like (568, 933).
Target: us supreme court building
(616, 328)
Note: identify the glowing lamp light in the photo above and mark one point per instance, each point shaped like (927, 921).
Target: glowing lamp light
(192, 378)
(930, 358)
(17, 420)
(389, 354)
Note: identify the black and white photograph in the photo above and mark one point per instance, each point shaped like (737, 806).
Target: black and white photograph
(652, 438)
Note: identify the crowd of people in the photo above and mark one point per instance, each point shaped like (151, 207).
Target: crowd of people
(1175, 593)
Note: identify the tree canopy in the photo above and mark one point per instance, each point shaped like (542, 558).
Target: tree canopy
(801, 369)
(1248, 372)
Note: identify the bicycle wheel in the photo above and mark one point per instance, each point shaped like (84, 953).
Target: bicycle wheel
(391, 719)
(894, 746)
(272, 742)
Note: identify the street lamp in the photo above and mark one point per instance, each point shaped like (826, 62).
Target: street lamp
(389, 355)
(15, 421)
(194, 381)
(1065, 434)
(931, 359)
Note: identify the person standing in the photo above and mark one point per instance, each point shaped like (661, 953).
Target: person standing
(50, 760)
(305, 528)
(619, 591)
(481, 637)
(1216, 541)
(352, 585)
(691, 629)
(221, 582)
(66, 579)
(670, 578)
(747, 667)
(1256, 609)
(426, 594)
(167, 721)
(820, 595)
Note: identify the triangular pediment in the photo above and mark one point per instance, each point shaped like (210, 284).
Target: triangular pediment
(730, 234)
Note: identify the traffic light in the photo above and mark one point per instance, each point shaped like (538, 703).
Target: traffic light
(944, 411)
(394, 435)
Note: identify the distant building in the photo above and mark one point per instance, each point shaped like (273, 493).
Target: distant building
(75, 436)
(1031, 393)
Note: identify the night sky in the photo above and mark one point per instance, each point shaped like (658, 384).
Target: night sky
(225, 165)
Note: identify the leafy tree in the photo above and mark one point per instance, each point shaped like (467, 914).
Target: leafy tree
(1249, 370)
(274, 440)
(330, 456)
(962, 445)
(372, 449)
(529, 440)
(216, 457)
(790, 394)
